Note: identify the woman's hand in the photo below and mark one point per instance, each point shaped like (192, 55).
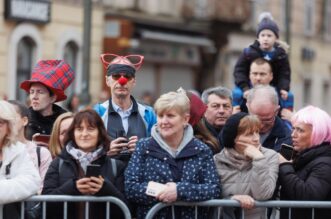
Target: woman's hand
(253, 152)
(169, 194)
(83, 186)
(95, 184)
(132, 143)
(246, 201)
(117, 145)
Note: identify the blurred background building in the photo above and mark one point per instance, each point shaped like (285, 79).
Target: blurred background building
(189, 43)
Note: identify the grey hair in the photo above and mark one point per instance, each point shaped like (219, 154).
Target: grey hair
(265, 92)
(220, 91)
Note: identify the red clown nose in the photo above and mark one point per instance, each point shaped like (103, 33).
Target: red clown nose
(122, 80)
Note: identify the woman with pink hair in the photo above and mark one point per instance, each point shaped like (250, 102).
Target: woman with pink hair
(307, 176)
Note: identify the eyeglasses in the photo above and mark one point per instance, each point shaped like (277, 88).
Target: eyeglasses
(118, 76)
(131, 60)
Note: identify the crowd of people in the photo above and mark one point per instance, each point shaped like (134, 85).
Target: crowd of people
(224, 144)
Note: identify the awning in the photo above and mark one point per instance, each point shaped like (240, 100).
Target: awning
(175, 38)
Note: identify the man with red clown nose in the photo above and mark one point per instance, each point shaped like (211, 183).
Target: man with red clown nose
(125, 119)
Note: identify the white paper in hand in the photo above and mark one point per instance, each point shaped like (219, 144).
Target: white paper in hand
(154, 188)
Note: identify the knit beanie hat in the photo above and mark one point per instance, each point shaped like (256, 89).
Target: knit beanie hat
(230, 129)
(266, 21)
(197, 108)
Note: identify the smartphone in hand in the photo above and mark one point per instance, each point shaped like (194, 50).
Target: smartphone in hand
(121, 133)
(93, 170)
(287, 151)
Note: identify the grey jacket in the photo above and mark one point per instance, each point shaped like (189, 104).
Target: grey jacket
(240, 176)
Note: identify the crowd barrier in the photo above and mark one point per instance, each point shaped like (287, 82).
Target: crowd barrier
(218, 203)
(44, 199)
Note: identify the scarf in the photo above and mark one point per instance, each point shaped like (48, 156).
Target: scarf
(84, 158)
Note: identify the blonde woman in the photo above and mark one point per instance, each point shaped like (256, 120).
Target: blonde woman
(60, 127)
(19, 178)
(173, 157)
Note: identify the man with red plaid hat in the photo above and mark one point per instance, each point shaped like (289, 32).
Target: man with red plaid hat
(125, 119)
(48, 81)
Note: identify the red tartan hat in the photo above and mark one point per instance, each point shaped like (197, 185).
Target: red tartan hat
(56, 75)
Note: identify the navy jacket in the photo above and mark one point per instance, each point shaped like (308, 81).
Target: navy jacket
(308, 178)
(279, 134)
(193, 170)
(280, 67)
(63, 182)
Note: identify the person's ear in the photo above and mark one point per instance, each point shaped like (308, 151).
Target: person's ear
(53, 98)
(25, 120)
(186, 117)
(108, 81)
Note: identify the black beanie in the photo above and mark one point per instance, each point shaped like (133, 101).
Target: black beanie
(230, 129)
(267, 23)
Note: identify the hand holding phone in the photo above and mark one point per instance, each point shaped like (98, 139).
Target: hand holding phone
(93, 170)
(287, 151)
(154, 188)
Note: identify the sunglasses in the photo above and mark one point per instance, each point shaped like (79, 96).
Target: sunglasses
(132, 60)
(118, 76)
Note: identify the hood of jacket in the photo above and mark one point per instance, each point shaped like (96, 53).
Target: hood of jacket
(187, 137)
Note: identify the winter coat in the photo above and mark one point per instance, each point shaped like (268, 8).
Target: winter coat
(279, 134)
(19, 179)
(42, 124)
(307, 179)
(61, 180)
(280, 67)
(146, 112)
(193, 170)
(239, 176)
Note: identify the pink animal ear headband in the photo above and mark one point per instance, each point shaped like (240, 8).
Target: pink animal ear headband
(121, 68)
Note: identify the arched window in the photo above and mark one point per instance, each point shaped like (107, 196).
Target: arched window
(25, 59)
(70, 56)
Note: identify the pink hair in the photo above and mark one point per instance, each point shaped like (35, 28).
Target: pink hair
(320, 121)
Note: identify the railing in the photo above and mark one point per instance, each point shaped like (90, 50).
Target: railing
(218, 203)
(44, 199)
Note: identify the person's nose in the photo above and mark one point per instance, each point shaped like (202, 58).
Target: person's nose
(256, 137)
(293, 134)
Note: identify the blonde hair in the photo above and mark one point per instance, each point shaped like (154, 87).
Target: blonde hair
(8, 113)
(173, 100)
(54, 141)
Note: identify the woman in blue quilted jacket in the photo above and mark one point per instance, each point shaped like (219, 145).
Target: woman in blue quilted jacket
(171, 165)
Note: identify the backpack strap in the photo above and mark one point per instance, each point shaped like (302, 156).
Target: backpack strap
(38, 155)
(114, 167)
(60, 163)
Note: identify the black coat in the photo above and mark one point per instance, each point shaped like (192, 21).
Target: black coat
(280, 67)
(308, 178)
(42, 124)
(63, 182)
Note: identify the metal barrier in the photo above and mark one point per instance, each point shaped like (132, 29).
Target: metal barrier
(232, 203)
(44, 199)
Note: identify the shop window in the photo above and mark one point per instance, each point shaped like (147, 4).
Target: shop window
(25, 60)
(327, 95)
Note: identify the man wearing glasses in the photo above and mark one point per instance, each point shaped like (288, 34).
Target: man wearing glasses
(125, 119)
(262, 101)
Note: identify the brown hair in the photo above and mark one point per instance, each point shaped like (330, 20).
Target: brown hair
(93, 119)
(248, 125)
(202, 133)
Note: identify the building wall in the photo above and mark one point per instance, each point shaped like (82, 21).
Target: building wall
(66, 25)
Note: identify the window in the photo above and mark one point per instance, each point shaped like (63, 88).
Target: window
(326, 95)
(25, 60)
(306, 91)
(309, 17)
(70, 56)
(327, 20)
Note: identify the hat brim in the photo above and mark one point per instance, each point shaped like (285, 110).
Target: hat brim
(60, 96)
